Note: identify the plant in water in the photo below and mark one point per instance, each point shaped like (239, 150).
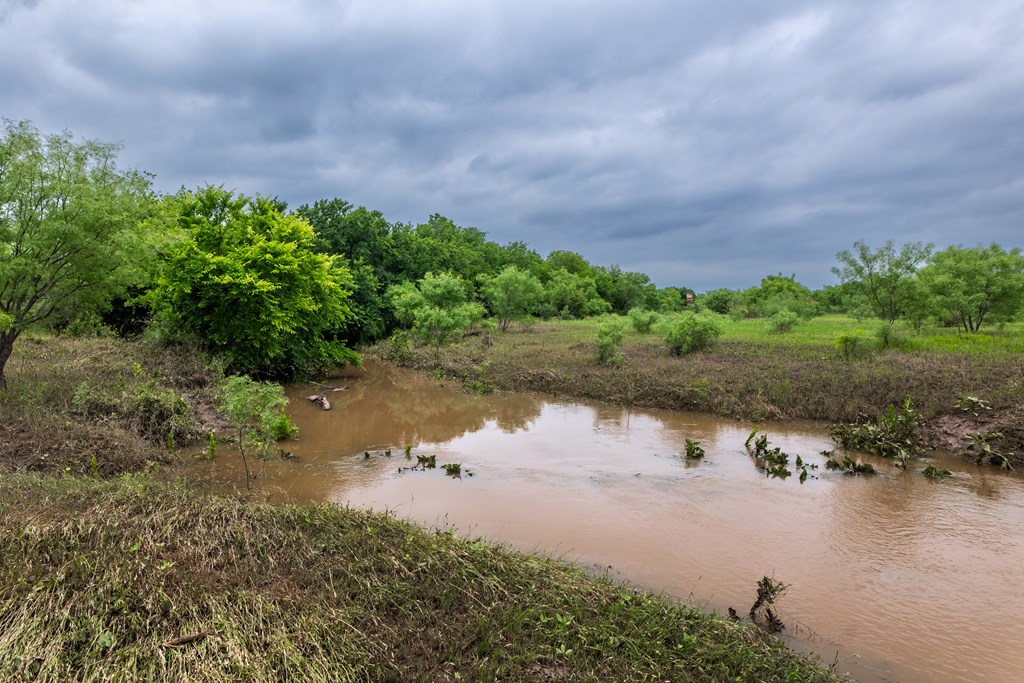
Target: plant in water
(933, 472)
(426, 462)
(253, 408)
(694, 450)
(982, 449)
(891, 434)
(283, 427)
(849, 466)
(609, 341)
(768, 591)
(408, 451)
(774, 459)
(211, 446)
(453, 469)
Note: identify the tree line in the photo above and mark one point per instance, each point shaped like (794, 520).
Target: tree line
(281, 293)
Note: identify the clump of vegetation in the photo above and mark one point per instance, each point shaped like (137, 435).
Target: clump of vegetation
(783, 321)
(255, 411)
(982, 449)
(438, 309)
(933, 472)
(694, 451)
(774, 460)
(761, 612)
(849, 466)
(893, 433)
(609, 344)
(642, 319)
(690, 333)
(852, 345)
(889, 337)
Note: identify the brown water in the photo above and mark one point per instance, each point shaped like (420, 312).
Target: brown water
(897, 576)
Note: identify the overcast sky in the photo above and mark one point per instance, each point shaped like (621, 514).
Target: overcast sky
(705, 143)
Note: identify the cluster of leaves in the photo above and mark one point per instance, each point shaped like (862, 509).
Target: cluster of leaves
(437, 309)
(256, 412)
(892, 434)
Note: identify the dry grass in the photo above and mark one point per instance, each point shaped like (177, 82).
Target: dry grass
(100, 406)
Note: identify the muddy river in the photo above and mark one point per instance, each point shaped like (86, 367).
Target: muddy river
(892, 576)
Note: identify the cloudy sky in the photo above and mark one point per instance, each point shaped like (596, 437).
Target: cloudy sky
(705, 143)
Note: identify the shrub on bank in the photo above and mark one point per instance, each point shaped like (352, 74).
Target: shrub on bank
(690, 333)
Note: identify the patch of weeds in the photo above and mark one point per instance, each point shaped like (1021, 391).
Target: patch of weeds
(694, 450)
(982, 450)
(933, 472)
(974, 405)
(455, 470)
(774, 460)
(761, 612)
(892, 433)
(283, 428)
(849, 466)
(852, 346)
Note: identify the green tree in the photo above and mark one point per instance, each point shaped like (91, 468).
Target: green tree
(437, 308)
(254, 409)
(975, 285)
(512, 295)
(69, 240)
(884, 275)
(575, 296)
(247, 282)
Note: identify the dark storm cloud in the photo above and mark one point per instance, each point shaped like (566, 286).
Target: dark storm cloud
(703, 143)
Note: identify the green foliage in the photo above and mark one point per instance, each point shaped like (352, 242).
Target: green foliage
(575, 295)
(254, 409)
(512, 294)
(850, 466)
(783, 321)
(609, 343)
(694, 450)
(933, 472)
(971, 286)
(282, 427)
(852, 345)
(889, 337)
(690, 333)
(437, 309)
(884, 276)
(68, 229)
(246, 282)
(891, 434)
(642, 319)
(718, 300)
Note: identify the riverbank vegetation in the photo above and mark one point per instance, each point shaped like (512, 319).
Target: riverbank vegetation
(138, 578)
(754, 374)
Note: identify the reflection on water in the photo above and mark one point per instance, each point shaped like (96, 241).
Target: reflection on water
(900, 576)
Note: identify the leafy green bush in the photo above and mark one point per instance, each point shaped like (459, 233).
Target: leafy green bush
(642, 319)
(889, 337)
(784, 320)
(691, 333)
(852, 345)
(893, 433)
(609, 340)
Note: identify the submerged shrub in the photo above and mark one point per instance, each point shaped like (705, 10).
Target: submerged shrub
(609, 340)
(893, 434)
(691, 333)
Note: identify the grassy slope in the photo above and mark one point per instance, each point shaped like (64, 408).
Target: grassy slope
(751, 374)
(96, 577)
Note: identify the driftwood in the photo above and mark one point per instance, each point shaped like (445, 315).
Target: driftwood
(184, 640)
(320, 400)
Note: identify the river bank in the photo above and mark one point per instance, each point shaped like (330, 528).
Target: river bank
(114, 576)
(960, 390)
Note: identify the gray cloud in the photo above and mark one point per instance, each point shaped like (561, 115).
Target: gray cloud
(707, 145)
